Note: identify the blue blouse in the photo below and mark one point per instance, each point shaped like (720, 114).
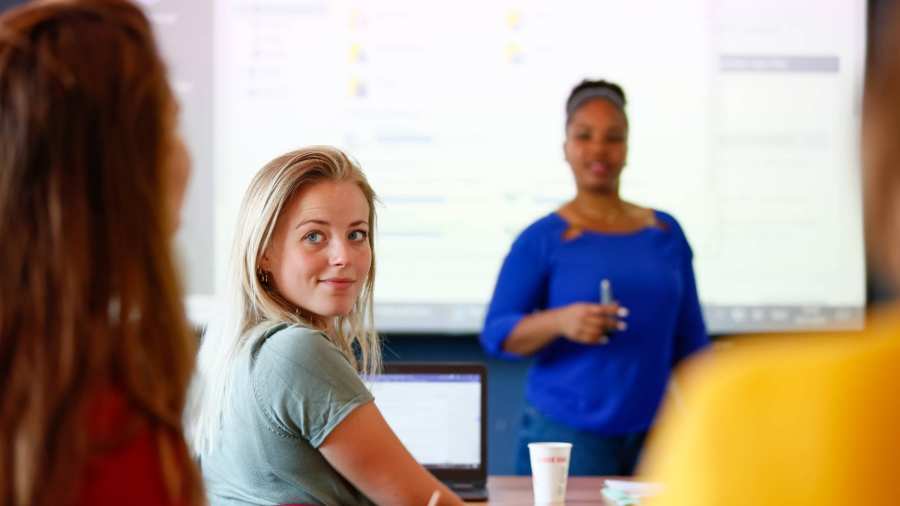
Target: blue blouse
(608, 389)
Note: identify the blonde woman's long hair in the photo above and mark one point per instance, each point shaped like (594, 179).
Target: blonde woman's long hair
(251, 308)
(90, 300)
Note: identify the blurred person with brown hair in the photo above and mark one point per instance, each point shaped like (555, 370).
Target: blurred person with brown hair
(95, 350)
(802, 420)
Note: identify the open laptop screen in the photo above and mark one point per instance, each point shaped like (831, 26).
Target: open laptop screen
(437, 414)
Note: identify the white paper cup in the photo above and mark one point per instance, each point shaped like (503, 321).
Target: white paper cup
(549, 471)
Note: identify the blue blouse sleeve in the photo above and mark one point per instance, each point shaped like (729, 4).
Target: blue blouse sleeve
(521, 289)
(690, 331)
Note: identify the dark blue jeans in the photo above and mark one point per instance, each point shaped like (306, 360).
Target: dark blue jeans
(592, 454)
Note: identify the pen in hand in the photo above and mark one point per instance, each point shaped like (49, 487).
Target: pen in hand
(606, 292)
(606, 298)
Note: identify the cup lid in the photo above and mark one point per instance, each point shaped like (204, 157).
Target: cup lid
(550, 445)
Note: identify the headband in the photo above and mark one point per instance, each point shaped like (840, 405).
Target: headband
(584, 95)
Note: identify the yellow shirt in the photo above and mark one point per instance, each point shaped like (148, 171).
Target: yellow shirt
(784, 421)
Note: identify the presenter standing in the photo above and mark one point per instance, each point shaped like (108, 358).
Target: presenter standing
(601, 292)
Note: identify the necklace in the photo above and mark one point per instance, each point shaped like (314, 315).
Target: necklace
(608, 217)
(621, 218)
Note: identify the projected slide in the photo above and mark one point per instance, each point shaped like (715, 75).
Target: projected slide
(743, 113)
(185, 33)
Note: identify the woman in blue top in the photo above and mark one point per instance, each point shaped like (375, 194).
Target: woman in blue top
(598, 377)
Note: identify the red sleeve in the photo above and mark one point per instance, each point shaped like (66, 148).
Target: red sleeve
(128, 472)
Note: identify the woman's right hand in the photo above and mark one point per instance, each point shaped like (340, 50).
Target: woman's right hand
(588, 323)
(580, 322)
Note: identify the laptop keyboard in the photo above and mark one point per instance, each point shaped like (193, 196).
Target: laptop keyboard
(469, 491)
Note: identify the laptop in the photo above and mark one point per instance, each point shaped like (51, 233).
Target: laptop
(439, 412)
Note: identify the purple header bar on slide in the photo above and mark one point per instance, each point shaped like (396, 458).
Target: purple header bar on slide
(436, 378)
(778, 63)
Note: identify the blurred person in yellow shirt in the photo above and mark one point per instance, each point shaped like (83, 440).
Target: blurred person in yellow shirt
(811, 420)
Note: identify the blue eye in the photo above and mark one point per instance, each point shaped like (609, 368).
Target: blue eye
(314, 237)
(358, 235)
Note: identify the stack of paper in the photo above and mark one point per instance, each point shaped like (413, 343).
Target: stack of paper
(627, 493)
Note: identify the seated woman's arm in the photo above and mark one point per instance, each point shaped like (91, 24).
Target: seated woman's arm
(365, 451)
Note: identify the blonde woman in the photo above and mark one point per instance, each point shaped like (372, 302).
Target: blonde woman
(282, 415)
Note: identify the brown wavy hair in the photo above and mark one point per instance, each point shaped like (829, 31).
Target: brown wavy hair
(881, 149)
(89, 295)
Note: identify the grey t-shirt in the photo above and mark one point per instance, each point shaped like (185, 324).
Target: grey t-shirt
(290, 392)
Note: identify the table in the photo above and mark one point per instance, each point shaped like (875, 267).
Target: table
(516, 491)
